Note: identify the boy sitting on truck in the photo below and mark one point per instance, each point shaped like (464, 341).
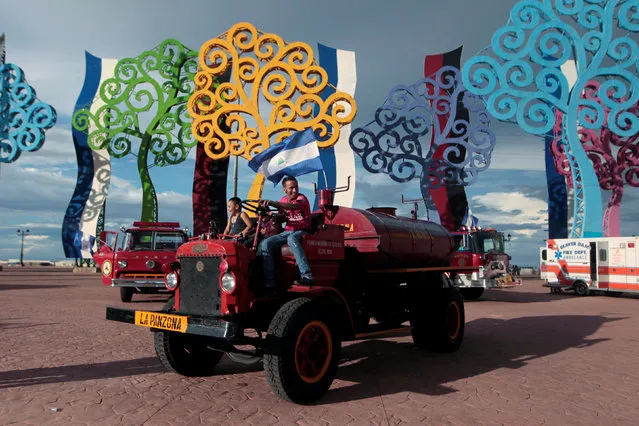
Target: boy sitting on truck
(298, 223)
(239, 224)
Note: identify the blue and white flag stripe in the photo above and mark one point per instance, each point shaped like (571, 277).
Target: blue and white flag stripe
(295, 156)
(79, 225)
(339, 160)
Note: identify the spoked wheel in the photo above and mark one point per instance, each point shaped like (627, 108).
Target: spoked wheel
(303, 352)
(439, 324)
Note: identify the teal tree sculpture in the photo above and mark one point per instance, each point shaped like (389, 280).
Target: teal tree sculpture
(144, 107)
(522, 76)
(23, 118)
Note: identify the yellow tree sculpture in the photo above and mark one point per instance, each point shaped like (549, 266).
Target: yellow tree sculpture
(264, 72)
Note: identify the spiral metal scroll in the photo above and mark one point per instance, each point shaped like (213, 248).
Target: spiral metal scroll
(400, 143)
(158, 82)
(23, 118)
(615, 158)
(522, 75)
(263, 68)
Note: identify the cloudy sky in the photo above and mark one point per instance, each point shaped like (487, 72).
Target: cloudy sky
(390, 40)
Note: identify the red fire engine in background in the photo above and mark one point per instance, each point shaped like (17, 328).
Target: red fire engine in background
(483, 249)
(135, 265)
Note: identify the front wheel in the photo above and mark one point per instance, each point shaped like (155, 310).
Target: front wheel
(472, 293)
(303, 352)
(438, 324)
(126, 294)
(185, 354)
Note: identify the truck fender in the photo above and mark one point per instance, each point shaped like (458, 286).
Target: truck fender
(333, 297)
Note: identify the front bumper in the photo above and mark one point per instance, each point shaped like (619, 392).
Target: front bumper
(203, 326)
(502, 282)
(137, 282)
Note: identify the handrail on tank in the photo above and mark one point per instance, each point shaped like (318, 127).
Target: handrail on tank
(325, 197)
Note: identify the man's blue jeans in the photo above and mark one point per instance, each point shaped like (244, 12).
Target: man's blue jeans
(267, 251)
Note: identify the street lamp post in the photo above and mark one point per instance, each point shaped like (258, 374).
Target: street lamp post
(22, 233)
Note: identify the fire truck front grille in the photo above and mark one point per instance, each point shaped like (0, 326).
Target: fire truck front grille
(200, 291)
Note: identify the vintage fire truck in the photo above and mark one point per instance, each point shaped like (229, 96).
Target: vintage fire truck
(485, 250)
(367, 264)
(607, 265)
(135, 265)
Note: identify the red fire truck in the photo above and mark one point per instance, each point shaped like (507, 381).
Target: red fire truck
(135, 265)
(485, 250)
(365, 263)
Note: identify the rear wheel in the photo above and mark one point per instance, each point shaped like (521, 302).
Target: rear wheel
(126, 294)
(438, 324)
(303, 351)
(471, 293)
(185, 354)
(581, 288)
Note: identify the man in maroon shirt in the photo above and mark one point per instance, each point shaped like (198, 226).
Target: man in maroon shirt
(298, 223)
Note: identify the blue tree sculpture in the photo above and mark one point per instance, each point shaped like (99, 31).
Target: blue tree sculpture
(522, 76)
(398, 142)
(23, 118)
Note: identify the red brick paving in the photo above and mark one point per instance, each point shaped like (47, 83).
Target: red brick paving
(529, 357)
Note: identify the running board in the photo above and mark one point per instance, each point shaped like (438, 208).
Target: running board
(379, 330)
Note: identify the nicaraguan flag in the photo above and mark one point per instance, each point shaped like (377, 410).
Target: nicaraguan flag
(295, 156)
(469, 219)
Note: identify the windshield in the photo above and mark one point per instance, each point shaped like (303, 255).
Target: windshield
(481, 242)
(153, 240)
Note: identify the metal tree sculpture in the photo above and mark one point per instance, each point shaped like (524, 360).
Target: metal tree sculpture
(399, 146)
(615, 159)
(23, 118)
(161, 77)
(264, 69)
(523, 76)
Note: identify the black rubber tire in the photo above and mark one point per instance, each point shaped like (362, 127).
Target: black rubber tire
(472, 293)
(185, 354)
(441, 311)
(126, 294)
(283, 338)
(581, 289)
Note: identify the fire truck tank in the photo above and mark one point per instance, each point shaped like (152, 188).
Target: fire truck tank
(385, 240)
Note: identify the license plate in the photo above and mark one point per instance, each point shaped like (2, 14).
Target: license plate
(161, 321)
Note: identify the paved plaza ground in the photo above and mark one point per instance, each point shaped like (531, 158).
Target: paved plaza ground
(528, 357)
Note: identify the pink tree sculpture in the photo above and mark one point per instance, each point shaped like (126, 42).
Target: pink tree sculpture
(614, 158)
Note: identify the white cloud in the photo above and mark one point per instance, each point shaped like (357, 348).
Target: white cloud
(512, 208)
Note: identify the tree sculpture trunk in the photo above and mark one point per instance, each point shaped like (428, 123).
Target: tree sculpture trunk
(149, 197)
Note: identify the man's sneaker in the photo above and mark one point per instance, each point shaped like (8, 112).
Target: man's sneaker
(304, 281)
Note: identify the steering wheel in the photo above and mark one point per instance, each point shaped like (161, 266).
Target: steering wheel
(254, 207)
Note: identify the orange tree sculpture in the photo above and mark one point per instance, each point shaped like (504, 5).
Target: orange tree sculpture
(265, 72)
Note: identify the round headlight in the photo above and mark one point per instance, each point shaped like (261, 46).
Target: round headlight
(171, 280)
(228, 282)
(122, 264)
(106, 268)
(150, 264)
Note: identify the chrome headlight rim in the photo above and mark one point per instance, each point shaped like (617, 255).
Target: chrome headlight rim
(122, 264)
(228, 282)
(172, 280)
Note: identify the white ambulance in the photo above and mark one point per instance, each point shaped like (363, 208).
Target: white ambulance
(585, 264)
